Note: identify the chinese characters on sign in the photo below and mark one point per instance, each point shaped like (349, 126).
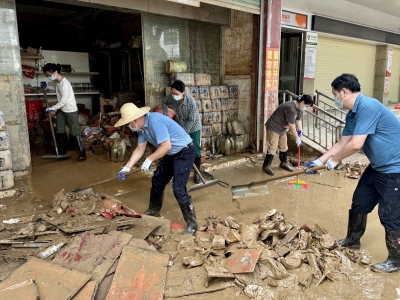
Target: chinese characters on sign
(272, 73)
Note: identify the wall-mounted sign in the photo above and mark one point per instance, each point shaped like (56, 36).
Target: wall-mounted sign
(311, 39)
(389, 63)
(272, 70)
(293, 19)
(386, 86)
(309, 64)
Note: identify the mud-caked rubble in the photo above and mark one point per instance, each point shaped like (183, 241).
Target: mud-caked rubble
(354, 170)
(265, 257)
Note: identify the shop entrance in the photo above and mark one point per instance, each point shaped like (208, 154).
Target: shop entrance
(290, 64)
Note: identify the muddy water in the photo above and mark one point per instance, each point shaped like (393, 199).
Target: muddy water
(326, 202)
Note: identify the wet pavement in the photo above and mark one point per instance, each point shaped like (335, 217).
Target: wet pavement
(326, 202)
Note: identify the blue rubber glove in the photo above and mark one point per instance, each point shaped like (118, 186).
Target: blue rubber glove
(331, 164)
(312, 164)
(300, 132)
(146, 165)
(49, 110)
(298, 142)
(121, 173)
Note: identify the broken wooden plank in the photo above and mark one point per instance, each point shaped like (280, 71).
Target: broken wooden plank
(86, 251)
(53, 282)
(87, 292)
(141, 244)
(288, 237)
(26, 290)
(114, 252)
(150, 225)
(189, 282)
(216, 272)
(140, 274)
(243, 260)
(104, 287)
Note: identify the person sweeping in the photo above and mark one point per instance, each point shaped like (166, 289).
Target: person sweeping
(66, 109)
(286, 117)
(187, 116)
(372, 127)
(176, 152)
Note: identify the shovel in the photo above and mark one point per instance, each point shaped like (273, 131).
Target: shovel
(204, 183)
(260, 187)
(88, 188)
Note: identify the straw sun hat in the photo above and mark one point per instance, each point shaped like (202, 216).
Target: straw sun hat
(130, 112)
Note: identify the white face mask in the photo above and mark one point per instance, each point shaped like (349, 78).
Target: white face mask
(176, 97)
(133, 129)
(303, 108)
(52, 77)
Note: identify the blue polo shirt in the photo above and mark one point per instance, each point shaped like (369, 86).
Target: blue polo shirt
(382, 146)
(159, 128)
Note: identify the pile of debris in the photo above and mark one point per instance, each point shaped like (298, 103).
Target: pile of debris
(355, 170)
(77, 250)
(262, 258)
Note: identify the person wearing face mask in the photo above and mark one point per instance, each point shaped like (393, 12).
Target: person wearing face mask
(372, 127)
(187, 116)
(66, 109)
(176, 152)
(286, 117)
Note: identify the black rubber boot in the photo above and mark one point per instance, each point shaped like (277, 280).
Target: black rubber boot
(284, 162)
(81, 145)
(196, 177)
(156, 202)
(189, 215)
(267, 164)
(392, 264)
(61, 139)
(355, 230)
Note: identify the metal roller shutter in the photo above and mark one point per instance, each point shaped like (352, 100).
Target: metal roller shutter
(335, 57)
(394, 83)
(250, 6)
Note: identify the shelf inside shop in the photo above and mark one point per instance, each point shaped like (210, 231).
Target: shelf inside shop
(54, 94)
(74, 73)
(32, 56)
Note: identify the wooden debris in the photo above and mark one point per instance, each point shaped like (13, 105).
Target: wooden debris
(243, 261)
(140, 274)
(216, 272)
(26, 290)
(87, 292)
(53, 282)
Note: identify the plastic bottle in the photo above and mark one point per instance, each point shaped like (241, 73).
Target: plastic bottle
(49, 251)
(40, 51)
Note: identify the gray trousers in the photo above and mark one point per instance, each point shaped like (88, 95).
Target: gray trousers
(68, 119)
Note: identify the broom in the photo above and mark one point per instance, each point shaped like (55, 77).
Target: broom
(298, 184)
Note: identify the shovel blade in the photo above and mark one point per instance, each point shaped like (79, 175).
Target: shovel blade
(249, 190)
(203, 185)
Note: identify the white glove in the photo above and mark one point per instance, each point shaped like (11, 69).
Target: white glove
(146, 165)
(312, 164)
(121, 173)
(332, 164)
(298, 142)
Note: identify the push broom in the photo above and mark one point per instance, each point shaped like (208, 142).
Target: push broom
(297, 183)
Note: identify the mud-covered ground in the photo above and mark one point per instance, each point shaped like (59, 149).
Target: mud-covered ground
(326, 203)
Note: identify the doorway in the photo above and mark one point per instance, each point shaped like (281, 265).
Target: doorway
(290, 64)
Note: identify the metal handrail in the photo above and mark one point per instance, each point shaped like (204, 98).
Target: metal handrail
(330, 107)
(322, 127)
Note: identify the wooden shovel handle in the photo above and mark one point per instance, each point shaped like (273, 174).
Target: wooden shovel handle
(105, 181)
(273, 178)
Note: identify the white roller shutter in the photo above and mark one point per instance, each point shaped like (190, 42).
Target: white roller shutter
(335, 57)
(394, 83)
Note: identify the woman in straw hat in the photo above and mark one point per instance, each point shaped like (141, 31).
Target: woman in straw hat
(175, 150)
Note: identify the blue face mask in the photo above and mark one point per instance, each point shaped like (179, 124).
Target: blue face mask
(338, 104)
(52, 77)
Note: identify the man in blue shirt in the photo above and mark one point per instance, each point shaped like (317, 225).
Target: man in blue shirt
(175, 149)
(372, 127)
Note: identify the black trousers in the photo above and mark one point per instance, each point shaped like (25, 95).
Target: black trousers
(178, 167)
(379, 188)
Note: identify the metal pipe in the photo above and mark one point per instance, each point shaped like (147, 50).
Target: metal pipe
(259, 77)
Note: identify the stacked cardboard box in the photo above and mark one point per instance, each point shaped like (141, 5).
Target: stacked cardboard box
(216, 104)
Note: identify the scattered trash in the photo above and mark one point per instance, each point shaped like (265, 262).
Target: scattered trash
(12, 221)
(355, 170)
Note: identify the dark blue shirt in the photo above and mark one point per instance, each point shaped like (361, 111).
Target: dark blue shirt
(158, 128)
(382, 146)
